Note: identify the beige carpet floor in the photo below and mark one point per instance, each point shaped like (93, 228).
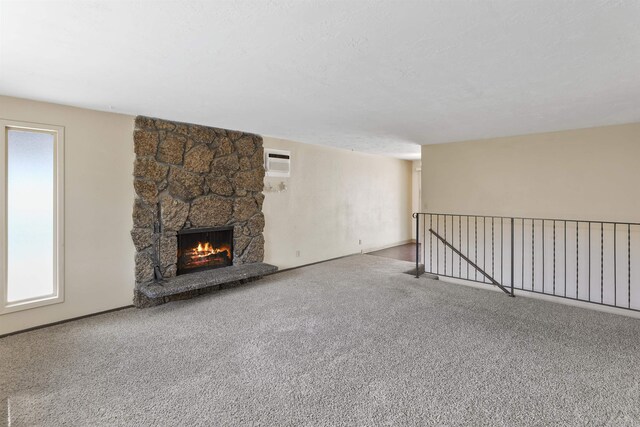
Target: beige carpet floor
(348, 342)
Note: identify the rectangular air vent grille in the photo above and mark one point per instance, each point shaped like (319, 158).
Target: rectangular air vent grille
(277, 162)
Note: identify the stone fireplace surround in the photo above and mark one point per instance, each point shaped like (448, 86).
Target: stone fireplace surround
(190, 176)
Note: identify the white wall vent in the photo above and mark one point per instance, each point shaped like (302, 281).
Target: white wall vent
(277, 162)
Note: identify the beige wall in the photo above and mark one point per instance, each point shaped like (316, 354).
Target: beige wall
(580, 174)
(98, 202)
(334, 198)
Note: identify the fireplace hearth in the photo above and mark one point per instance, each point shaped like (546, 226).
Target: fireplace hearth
(204, 249)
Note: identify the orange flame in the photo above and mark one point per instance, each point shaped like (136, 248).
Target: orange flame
(203, 250)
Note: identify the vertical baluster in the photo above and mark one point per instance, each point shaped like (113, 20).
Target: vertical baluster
(424, 242)
(543, 258)
(589, 261)
(460, 246)
(417, 245)
(475, 252)
(565, 258)
(444, 255)
(601, 262)
(453, 238)
(512, 258)
(522, 283)
(533, 253)
(484, 246)
(554, 256)
(501, 251)
(438, 244)
(430, 244)
(577, 259)
(492, 251)
(468, 254)
(615, 266)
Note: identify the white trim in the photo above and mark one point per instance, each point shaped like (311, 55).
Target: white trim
(58, 220)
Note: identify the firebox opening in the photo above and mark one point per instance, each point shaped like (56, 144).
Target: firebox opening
(204, 249)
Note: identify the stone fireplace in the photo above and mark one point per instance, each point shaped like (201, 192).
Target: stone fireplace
(197, 211)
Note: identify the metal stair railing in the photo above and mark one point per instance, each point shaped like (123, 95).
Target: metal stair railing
(583, 260)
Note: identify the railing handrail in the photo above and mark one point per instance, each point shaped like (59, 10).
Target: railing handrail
(579, 259)
(591, 221)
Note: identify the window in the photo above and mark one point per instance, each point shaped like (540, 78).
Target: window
(31, 224)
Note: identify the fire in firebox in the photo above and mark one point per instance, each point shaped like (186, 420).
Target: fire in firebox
(206, 254)
(202, 249)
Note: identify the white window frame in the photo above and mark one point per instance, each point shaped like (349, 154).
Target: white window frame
(58, 216)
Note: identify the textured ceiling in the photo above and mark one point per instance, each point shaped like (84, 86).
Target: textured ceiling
(375, 76)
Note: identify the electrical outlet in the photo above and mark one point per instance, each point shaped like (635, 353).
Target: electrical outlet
(298, 254)
(359, 241)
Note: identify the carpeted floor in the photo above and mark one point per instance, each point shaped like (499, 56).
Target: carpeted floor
(349, 342)
(406, 252)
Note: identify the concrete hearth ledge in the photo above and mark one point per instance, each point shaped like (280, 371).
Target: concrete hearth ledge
(207, 279)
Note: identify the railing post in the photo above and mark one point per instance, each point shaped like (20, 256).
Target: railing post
(417, 217)
(512, 258)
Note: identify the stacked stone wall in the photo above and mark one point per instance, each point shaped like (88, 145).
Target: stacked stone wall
(191, 176)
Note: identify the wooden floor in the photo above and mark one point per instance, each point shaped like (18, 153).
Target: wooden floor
(406, 252)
